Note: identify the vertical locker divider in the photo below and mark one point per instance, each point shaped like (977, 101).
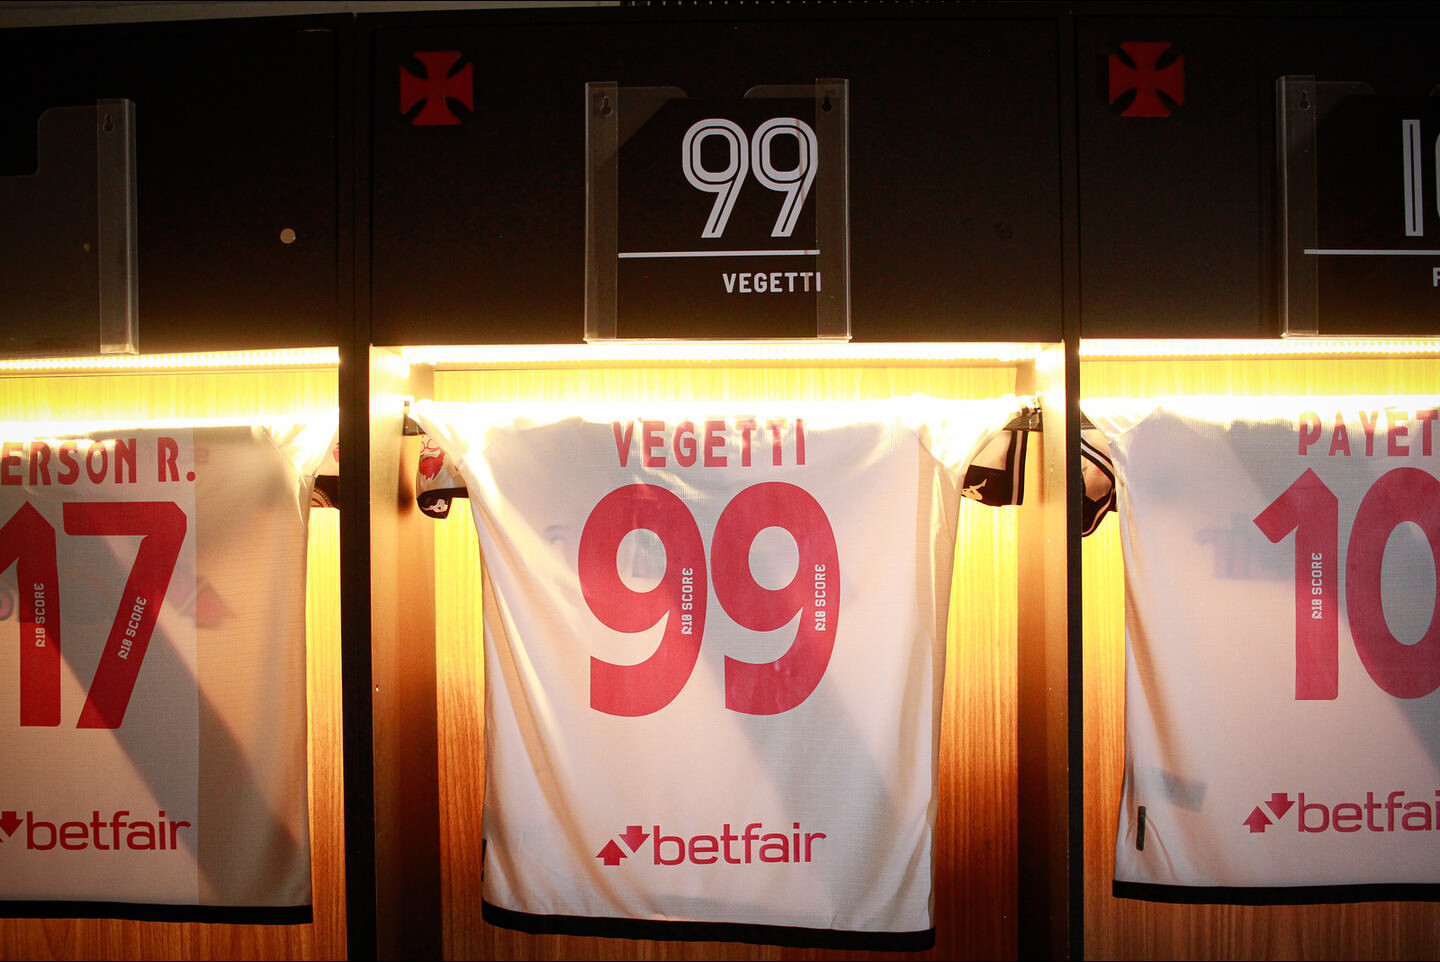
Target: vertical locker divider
(407, 897)
(1045, 692)
(353, 272)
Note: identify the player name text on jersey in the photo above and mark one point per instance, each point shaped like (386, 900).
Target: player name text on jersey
(712, 443)
(1396, 442)
(44, 463)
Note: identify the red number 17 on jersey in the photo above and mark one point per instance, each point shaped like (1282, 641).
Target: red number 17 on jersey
(27, 541)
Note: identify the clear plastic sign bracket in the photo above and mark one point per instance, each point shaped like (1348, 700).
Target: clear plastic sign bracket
(1354, 179)
(71, 281)
(800, 155)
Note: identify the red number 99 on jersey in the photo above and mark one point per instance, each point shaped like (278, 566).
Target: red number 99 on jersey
(679, 598)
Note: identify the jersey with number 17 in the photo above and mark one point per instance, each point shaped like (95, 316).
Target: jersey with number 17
(152, 697)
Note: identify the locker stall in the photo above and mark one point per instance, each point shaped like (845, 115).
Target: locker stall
(131, 389)
(144, 195)
(1318, 928)
(1006, 609)
(487, 284)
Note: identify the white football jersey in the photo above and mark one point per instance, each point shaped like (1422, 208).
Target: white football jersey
(713, 657)
(152, 688)
(1283, 646)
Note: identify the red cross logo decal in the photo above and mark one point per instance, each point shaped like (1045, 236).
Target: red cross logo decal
(437, 88)
(1139, 69)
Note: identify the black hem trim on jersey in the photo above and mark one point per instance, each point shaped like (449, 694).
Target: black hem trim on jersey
(656, 930)
(147, 912)
(1277, 895)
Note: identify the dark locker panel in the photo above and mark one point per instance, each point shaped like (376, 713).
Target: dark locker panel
(1173, 230)
(236, 167)
(478, 207)
(1179, 186)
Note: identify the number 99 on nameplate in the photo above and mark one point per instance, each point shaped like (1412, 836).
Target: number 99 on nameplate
(716, 220)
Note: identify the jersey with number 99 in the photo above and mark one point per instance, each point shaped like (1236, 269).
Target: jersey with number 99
(713, 654)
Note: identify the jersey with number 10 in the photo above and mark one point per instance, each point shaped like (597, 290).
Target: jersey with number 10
(1283, 645)
(713, 655)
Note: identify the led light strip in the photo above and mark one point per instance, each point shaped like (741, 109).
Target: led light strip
(711, 352)
(716, 352)
(304, 357)
(1141, 348)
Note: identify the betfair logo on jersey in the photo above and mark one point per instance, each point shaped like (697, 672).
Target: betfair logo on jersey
(1385, 812)
(751, 844)
(113, 832)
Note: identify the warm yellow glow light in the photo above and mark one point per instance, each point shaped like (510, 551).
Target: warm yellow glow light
(652, 352)
(304, 357)
(1118, 348)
